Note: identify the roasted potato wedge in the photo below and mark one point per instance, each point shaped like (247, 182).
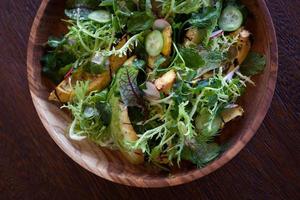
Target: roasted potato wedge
(243, 46)
(208, 75)
(100, 82)
(166, 81)
(239, 51)
(116, 61)
(192, 37)
(167, 36)
(231, 113)
(64, 94)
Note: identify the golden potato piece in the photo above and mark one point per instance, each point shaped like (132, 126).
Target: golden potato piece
(239, 51)
(117, 61)
(98, 82)
(101, 81)
(231, 113)
(208, 75)
(167, 36)
(243, 46)
(192, 37)
(166, 81)
(237, 32)
(78, 74)
(63, 92)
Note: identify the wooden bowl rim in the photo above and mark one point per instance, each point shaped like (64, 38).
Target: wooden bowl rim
(155, 182)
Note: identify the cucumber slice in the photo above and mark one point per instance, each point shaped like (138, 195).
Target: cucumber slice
(154, 43)
(231, 19)
(101, 16)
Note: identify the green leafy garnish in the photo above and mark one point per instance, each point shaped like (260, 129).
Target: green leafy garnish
(130, 93)
(168, 99)
(200, 153)
(128, 46)
(254, 64)
(91, 114)
(140, 21)
(171, 7)
(192, 58)
(77, 49)
(54, 62)
(177, 117)
(207, 20)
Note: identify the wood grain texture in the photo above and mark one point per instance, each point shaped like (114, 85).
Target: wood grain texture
(33, 167)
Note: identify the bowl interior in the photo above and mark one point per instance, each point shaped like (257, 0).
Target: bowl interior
(110, 164)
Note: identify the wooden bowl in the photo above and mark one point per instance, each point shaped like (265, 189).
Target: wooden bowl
(110, 164)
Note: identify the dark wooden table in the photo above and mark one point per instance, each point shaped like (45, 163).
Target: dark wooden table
(33, 167)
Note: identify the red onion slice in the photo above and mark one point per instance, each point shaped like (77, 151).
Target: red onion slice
(216, 34)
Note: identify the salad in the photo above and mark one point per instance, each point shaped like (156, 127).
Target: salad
(155, 79)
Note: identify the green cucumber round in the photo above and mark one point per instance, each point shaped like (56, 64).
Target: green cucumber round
(231, 19)
(101, 16)
(154, 43)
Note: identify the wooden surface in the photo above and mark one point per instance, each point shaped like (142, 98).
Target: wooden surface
(33, 167)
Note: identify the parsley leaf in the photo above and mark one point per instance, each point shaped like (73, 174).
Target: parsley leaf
(254, 64)
(200, 153)
(205, 18)
(53, 62)
(192, 58)
(140, 21)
